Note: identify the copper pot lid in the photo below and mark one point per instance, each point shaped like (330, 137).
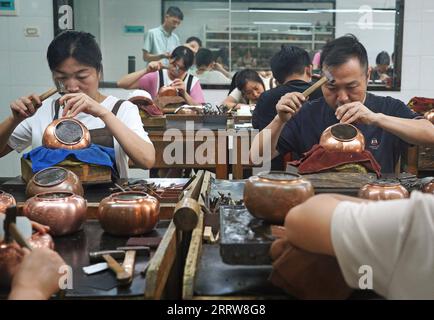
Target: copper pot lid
(279, 176)
(344, 132)
(50, 177)
(54, 195)
(69, 132)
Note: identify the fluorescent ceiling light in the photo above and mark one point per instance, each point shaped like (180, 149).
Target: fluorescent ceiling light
(211, 9)
(304, 11)
(282, 23)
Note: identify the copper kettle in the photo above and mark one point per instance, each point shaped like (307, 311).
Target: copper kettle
(128, 213)
(54, 179)
(270, 195)
(63, 212)
(66, 133)
(167, 91)
(342, 137)
(383, 190)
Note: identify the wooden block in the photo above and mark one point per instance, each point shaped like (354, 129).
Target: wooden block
(87, 173)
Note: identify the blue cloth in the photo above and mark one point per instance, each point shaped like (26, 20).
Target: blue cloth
(305, 129)
(43, 157)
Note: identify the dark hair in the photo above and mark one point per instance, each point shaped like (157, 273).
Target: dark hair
(247, 75)
(191, 39)
(185, 54)
(340, 50)
(223, 54)
(81, 46)
(175, 12)
(288, 61)
(383, 58)
(204, 57)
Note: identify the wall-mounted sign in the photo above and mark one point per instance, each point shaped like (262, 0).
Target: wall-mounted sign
(134, 29)
(8, 7)
(63, 15)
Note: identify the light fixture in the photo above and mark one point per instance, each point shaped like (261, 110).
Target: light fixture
(282, 23)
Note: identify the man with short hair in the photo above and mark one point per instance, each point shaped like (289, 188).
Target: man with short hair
(291, 68)
(160, 41)
(387, 124)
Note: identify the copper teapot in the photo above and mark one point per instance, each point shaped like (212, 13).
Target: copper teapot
(383, 190)
(270, 195)
(66, 133)
(63, 212)
(6, 200)
(342, 137)
(167, 91)
(54, 179)
(129, 213)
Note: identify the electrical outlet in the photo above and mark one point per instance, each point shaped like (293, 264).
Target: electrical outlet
(31, 32)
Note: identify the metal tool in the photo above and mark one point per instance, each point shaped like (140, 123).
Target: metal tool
(122, 276)
(95, 268)
(62, 91)
(98, 255)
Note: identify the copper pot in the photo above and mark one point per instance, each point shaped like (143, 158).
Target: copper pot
(429, 115)
(54, 179)
(167, 91)
(66, 133)
(270, 195)
(63, 212)
(428, 187)
(383, 190)
(39, 241)
(342, 137)
(6, 200)
(10, 259)
(129, 213)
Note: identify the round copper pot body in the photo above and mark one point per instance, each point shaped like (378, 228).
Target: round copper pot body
(167, 91)
(428, 187)
(128, 213)
(10, 258)
(383, 190)
(63, 212)
(54, 179)
(270, 195)
(66, 133)
(342, 137)
(430, 116)
(189, 111)
(6, 200)
(39, 241)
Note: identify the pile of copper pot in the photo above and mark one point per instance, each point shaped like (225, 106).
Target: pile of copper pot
(270, 195)
(342, 137)
(390, 189)
(56, 200)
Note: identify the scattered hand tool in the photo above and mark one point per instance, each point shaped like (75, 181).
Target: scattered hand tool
(122, 276)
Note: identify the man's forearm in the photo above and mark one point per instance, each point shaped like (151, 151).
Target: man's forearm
(152, 57)
(269, 136)
(413, 131)
(7, 127)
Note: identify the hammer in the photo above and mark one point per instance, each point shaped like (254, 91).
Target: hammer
(326, 78)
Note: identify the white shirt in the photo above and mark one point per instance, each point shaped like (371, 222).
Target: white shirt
(395, 238)
(211, 77)
(30, 131)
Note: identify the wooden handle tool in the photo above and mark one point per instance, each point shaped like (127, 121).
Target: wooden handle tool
(47, 94)
(129, 262)
(315, 86)
(121, 275)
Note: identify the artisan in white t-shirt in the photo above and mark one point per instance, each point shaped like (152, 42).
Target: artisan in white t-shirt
(395, 238)
(30, 131)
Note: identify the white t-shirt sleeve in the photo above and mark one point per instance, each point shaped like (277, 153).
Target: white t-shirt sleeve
(380, 235)
(238, 97)
(21, 138)
(129, 114)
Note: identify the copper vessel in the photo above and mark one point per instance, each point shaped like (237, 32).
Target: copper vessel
(383, 190)
(54, 179)
(428, 187)
(10, 258)
(66, 133)
(342, 137)
(187, 110)
(63, 212)
(6, 200)
(129, 213)
(39, 241)
(167, 91)
(270, 195)
(429, 115)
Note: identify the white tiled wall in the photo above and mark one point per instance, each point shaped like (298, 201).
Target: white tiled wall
(23, 67)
